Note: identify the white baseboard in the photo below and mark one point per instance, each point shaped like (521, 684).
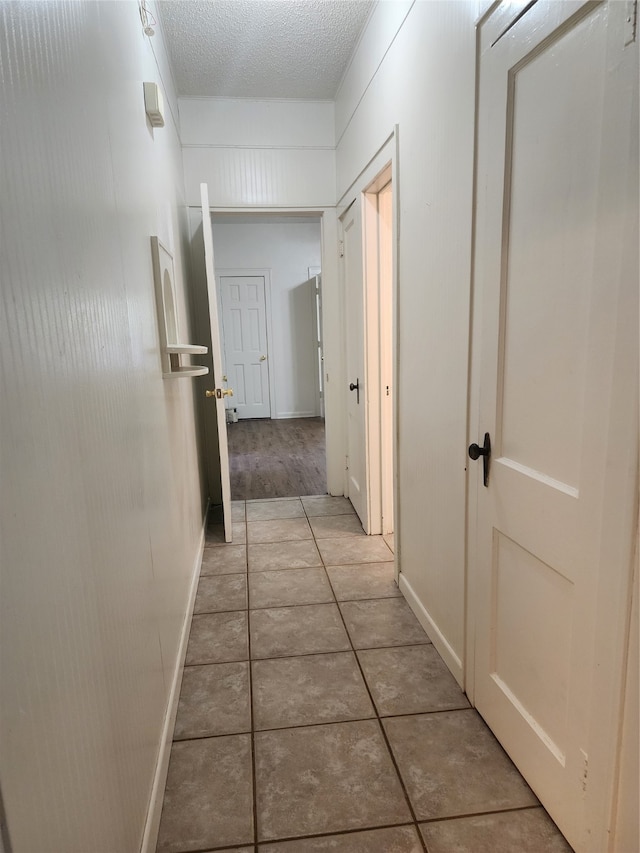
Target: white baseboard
(283, 415)
(438, 639)
(152, 823)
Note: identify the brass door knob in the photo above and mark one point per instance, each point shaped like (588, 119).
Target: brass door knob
(263, 358)
(219, 393)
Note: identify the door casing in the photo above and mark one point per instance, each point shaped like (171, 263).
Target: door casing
(333, 331)
(379, 252)
(377, 173)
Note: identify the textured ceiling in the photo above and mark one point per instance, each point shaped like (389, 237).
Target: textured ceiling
(261, 48)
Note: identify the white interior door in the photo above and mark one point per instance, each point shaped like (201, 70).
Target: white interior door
(356, 409)
(244, 325)
(555, 363)
(218, 395)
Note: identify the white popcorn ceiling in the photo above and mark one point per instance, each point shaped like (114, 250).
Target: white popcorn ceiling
(261, 48)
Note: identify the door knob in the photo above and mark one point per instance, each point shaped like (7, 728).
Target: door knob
(475, 452)
(219, 393)
(263, 358)
(355, 387)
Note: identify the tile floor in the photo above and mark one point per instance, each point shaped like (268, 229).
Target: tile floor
(315, 715)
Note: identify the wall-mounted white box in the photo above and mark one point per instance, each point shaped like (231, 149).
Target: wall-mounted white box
(154, 104)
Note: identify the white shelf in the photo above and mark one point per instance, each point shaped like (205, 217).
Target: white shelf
(186, 349)
(170, 354)
(187, 370)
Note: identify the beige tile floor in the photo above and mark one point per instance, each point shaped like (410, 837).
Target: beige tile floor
(315, 714)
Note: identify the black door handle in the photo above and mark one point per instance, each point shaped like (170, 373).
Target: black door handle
(356, 387)
(475, 452)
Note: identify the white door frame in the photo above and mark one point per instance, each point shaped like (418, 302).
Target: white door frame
(378, 350)
(248, 272)
(382, 167)
(334, 332)
(315, 274)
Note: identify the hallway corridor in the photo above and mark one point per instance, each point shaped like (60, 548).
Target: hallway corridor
(315, 715)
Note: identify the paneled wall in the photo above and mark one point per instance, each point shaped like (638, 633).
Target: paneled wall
(264, 153)
(101, 509)
(415, 67)
(287, 249)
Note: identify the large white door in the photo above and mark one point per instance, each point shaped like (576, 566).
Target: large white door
(356, 409)
(555, 380)
(218, 393)
(244, 325)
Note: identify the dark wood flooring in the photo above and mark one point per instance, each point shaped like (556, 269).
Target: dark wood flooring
(277, 458)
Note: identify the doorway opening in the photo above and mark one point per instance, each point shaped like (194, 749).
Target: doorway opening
(268, 283)
(368, 253)
(379, 346)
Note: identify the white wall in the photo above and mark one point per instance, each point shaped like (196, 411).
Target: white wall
(100, 494)
(421, 77)
(264, 153)
(375, 41)
(287, 249)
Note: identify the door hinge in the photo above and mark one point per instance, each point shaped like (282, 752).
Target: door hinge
(630, 22)
(346, 463)
(341, 248)
(585, 769)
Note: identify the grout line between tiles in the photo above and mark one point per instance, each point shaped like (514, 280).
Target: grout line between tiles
(216, 612)
(210, 736)
(289, 838)
(215, 662)
(252, 720)
(507, 810)
(374, 716)
(333, 651)
(319, 566)
(310, 654)
(384, 735)
(210, 849)
(354, 831)
(315, 603)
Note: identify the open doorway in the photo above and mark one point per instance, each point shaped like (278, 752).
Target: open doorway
(368, 240)
(269, 310)
(379, 347)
